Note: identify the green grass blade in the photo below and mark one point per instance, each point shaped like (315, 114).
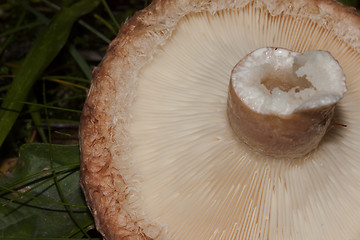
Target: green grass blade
(85, 68)
(117, 25)
(21, 28)
(106, 23)
(82, 23)
(52, 5)
(56, 181)
(26, 194)
(42, 106)
(70, 78)
(11, 32)
(44, 50)
(94, 31)
(58, 170)
(69, 83)
(36, 117)
(39, 15)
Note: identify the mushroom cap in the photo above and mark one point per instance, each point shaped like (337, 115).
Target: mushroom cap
(199, 182)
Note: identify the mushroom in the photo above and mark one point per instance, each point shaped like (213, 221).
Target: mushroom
(161, 157)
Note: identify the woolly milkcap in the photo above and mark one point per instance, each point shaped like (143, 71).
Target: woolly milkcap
(159, 157)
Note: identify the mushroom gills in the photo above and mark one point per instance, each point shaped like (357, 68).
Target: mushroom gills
(195, 180)
(281, 103)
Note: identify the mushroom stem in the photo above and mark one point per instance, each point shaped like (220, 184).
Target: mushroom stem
(281, 103)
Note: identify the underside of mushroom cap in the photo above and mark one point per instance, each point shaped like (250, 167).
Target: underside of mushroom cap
(210, 186)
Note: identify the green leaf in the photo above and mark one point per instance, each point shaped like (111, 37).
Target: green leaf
(45, 48)
(39, 216)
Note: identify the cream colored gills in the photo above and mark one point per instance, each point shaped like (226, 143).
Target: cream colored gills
(198, 180)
